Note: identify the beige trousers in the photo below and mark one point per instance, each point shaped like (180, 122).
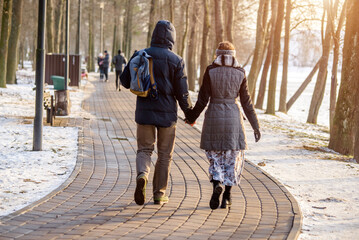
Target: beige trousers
(146, 138)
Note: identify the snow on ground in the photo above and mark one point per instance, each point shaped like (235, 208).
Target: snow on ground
(323, 182)
(25, 175)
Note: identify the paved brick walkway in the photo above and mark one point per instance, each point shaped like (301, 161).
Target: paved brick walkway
(96, 202)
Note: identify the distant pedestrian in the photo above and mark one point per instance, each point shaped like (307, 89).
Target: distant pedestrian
(106, 63)
(157, 118)
(100, 65)
(119, 61)
(223, 136)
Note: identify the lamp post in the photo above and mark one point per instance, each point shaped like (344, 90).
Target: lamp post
(101, 26)
(40, 63)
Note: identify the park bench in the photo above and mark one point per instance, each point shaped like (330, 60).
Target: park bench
(49, 107)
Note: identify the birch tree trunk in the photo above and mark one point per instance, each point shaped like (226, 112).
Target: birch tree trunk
(4, 39)
(283, 87)
(205, 33)
(344, 134)
(275, 59)
(218, 7)
(13, 53)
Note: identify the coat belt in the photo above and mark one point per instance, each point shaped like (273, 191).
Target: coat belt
(223, 100)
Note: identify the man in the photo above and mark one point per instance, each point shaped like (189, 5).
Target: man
(159, 115)
(105, 64)
(119, 60)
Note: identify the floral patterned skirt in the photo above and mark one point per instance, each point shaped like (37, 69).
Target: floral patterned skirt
(226, 166)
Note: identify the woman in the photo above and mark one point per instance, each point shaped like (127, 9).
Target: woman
(223, 136)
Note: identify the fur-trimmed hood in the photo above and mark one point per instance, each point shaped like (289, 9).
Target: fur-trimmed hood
(226, 58)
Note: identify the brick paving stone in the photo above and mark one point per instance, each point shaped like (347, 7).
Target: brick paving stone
(96, 202)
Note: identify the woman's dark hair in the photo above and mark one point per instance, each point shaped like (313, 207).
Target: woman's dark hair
(119, 51)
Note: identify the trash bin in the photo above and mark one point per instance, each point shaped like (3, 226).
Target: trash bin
(59, 82)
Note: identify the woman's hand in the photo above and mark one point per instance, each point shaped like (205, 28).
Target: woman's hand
(257, 134)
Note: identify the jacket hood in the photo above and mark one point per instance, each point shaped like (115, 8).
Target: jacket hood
(163, 35)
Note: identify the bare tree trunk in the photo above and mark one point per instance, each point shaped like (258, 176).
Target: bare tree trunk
(319, 89)
(172, 11)
(127, 39)
(4, 39)
(58, 24)
(205, 33)
(91, 47)
(129, 28)
(275, 59)
(114, 39)
(229, 20)
(78, 36)
(258, 49)
(303, 86)
(334, 78)
(49, 27)
(181, 53)
(219, 20)
(191, 53)
(63, 30)
(263, 82)
(283, 87)
(22, 55)
(13, 53)
(344, 134)
(119, 31)
(151, 23)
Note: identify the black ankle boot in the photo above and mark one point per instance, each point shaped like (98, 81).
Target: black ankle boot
(226, 199)
(217, 190)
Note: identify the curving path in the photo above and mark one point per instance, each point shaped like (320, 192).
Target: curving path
(96, 202)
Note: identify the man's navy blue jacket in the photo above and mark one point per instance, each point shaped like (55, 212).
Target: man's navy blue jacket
(170, 77)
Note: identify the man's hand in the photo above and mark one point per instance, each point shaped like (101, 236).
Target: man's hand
(257, 134)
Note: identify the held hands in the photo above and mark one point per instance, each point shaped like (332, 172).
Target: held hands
(190, 123)
(257, 134)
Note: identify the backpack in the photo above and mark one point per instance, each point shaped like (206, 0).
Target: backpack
(142, 79)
